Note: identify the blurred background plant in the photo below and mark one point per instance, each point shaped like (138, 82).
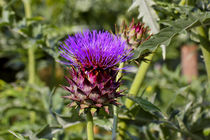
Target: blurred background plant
(168, 106)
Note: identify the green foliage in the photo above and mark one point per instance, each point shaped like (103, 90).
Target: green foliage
(165, 36)
(168, 108)
(145, 105)
(147, 13)
(176, 107)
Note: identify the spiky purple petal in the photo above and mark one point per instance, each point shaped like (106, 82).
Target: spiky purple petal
(92, 50)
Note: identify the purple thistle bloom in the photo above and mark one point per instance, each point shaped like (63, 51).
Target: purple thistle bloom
(94, 50)
(93, 57)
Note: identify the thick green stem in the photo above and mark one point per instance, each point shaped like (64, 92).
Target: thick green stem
(134, 90)
(115, 110)
(205, 47)
(114, 128)
(138, 80)
(182, 2)
(90, 133)
(31, 57)
(27, 8)
(206, 55)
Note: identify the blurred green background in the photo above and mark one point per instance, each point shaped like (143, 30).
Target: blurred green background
(34, 109)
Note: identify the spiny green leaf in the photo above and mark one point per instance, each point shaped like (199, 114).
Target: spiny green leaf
(145, 105)
(165, 36)
(147, 12)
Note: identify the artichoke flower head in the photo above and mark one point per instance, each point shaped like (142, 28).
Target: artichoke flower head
(93, 57)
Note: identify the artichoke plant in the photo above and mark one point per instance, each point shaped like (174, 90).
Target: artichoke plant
(93, 58)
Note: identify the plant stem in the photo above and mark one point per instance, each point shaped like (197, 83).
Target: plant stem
(31, 57)
(114, 129)
(115, 109)
(90, 134)
(27, 8)
(182, 2)
(204, 43)
(134, 90)
(138, 80)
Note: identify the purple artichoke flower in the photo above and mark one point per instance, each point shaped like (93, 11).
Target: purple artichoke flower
(93, 57)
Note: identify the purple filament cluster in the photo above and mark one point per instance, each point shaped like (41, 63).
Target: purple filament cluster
(96, 49)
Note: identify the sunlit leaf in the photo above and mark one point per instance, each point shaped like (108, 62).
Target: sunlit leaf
(165, 36)
(147, 13)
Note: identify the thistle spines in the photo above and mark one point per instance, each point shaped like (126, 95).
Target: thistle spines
(86, 93)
